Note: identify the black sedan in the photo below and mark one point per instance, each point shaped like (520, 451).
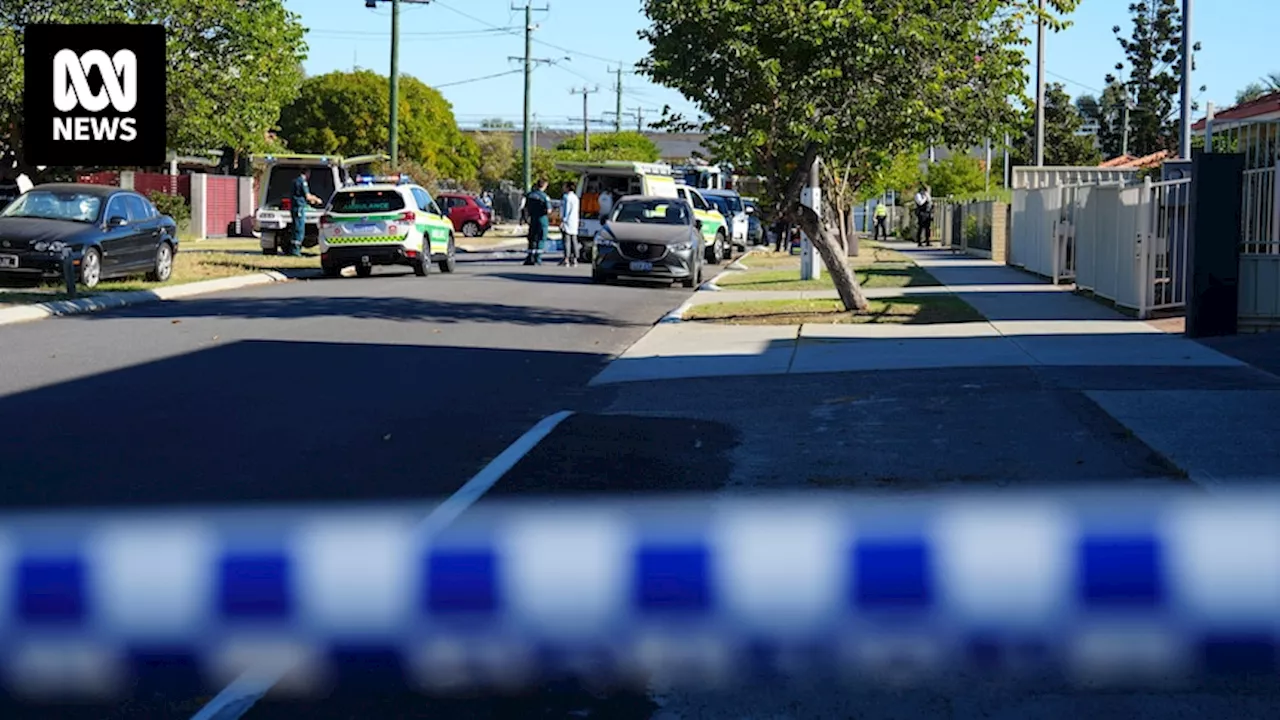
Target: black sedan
(108, 231)
(650, 237)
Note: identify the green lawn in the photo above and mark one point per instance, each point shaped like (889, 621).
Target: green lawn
(915, 310)
(882, 275)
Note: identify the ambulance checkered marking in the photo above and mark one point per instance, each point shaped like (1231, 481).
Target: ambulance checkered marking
(1119, 588)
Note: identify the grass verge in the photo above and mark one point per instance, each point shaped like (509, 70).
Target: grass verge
(870, 276)
(914, 310)
(188, 267)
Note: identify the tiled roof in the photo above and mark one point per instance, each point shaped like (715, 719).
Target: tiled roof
(1137, 163)
(1265, 105)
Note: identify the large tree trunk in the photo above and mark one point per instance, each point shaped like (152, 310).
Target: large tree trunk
(827, 245)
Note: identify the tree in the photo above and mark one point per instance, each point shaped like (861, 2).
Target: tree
(1154, 54)
(1063, 143)
(615, 146)
(855, 83)
(956, 176)
(1258, 88)
(346, 113)
(1107, 114)
(497, 158)
(232, 64)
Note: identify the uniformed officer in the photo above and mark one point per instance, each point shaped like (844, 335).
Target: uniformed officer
(882, 217)
(538, 205)
(299, 199)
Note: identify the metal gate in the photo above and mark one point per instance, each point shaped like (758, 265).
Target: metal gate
(1163, 245)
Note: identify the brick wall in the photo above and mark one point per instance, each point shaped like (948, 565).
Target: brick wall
(1000, 232)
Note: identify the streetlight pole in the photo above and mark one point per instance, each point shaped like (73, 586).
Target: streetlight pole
(393, 143)
(1040, 88)
(1188, 56)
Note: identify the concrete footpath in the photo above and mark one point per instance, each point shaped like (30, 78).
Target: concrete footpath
(1202, 411)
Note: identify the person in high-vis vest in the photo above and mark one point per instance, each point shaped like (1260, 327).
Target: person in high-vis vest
(882, 217)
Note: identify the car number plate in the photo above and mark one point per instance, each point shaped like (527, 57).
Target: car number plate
(8, 261)
(365, 227)
(639, 266)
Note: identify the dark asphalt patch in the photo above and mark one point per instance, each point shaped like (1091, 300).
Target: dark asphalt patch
(601, 454)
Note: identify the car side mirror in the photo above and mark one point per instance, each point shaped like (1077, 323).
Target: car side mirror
(697, 224)
(117, 221)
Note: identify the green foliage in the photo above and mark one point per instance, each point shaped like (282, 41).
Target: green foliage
(1258, 88)
(232, 64)
(615, 146)
(956, 175)
(175, 206)
(497, 158)
(786, 81)
(1062, 146)
(346, 113)
(902, 175)
(1154, 55)
(1107, 113)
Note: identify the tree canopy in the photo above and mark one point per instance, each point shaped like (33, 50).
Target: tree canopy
(232, 64)
(1063, 143)
(632, 146)
(957, 175)
(785, 82)
(1154, 54)
(347, 113)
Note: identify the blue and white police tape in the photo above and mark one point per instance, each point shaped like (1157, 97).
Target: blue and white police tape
(1108, 588)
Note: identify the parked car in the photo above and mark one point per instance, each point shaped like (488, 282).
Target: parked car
(617, 178)
(729, 203)
(650, 237)
(109, 232)
(469, 216)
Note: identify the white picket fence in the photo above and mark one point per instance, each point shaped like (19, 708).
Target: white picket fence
(1127, 243)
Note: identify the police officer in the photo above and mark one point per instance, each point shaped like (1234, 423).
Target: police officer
(882, 217)
(538, 206)
(300, 198)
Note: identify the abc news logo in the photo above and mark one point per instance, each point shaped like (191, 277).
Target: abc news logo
(95, 95)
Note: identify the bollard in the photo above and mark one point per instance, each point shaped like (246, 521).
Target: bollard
(68, 272)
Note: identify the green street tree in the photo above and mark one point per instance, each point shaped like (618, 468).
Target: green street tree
(786, 82)
(1258, 88)
(346, 113)
(1107, 113)
(497, 157)
(958, 175)
(232, 64)
(1063, 143)
(631, 146)
(1153, 51)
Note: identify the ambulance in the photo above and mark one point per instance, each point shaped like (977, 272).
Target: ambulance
(385, 221)
(619, 178)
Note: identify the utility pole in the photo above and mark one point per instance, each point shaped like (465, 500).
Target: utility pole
(393, 129)
(1040, 88)
(528, 84)
(586, 126)
(639, 113)
(1188, 57)
(1124, 142)
(617, 123)
(1008, 171)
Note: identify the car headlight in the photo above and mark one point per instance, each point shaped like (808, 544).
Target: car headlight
(55, 246)
(680, 247)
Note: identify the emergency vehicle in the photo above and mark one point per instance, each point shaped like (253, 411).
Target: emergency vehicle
(385, 221)
(273, 219)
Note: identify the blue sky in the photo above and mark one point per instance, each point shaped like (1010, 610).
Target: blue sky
(449, 41)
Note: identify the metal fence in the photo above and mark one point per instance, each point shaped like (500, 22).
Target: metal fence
(1127, 243)
(1034, 178)
(1259, 286)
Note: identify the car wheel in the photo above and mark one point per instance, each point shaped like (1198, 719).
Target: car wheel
(91, 268)
(449, 263)
(365, 271)
(331, 271)
(714, 253)
(471, 228)
(725, 244)
(163, 269)
(422, 266)
(694, 279)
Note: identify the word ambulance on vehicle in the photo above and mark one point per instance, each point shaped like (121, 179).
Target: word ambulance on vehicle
(385, 221)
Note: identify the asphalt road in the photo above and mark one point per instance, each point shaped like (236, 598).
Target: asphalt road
(320, 390)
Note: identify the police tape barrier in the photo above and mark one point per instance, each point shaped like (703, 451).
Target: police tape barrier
(1111, 589)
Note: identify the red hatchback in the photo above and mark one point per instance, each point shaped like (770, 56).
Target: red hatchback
(470, 216)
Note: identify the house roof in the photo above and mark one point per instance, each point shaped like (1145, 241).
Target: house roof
(1125, 162)
(1268, 104)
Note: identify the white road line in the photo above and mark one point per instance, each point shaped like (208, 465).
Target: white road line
(239, 697)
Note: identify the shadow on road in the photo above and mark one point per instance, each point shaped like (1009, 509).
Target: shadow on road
(400, 309)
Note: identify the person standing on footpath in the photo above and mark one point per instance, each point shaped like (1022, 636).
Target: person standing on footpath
(569, 216)
(882, 217)
(924, 217)
(538, 207)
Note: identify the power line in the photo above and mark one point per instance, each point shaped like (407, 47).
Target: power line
(478, 79)
(374, 33)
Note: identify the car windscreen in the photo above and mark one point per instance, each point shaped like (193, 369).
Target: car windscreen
(719, 204)
(280, 182)
(367, 201)
(735, 203)
(53, 205)
(652, 212)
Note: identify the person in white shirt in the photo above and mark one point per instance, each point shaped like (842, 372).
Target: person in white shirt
(606, 204)
(924, 216)
(569, 224)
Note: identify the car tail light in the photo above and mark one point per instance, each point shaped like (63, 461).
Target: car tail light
(411, 253)
(286, 204)
(326, 220)
(406, 217)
